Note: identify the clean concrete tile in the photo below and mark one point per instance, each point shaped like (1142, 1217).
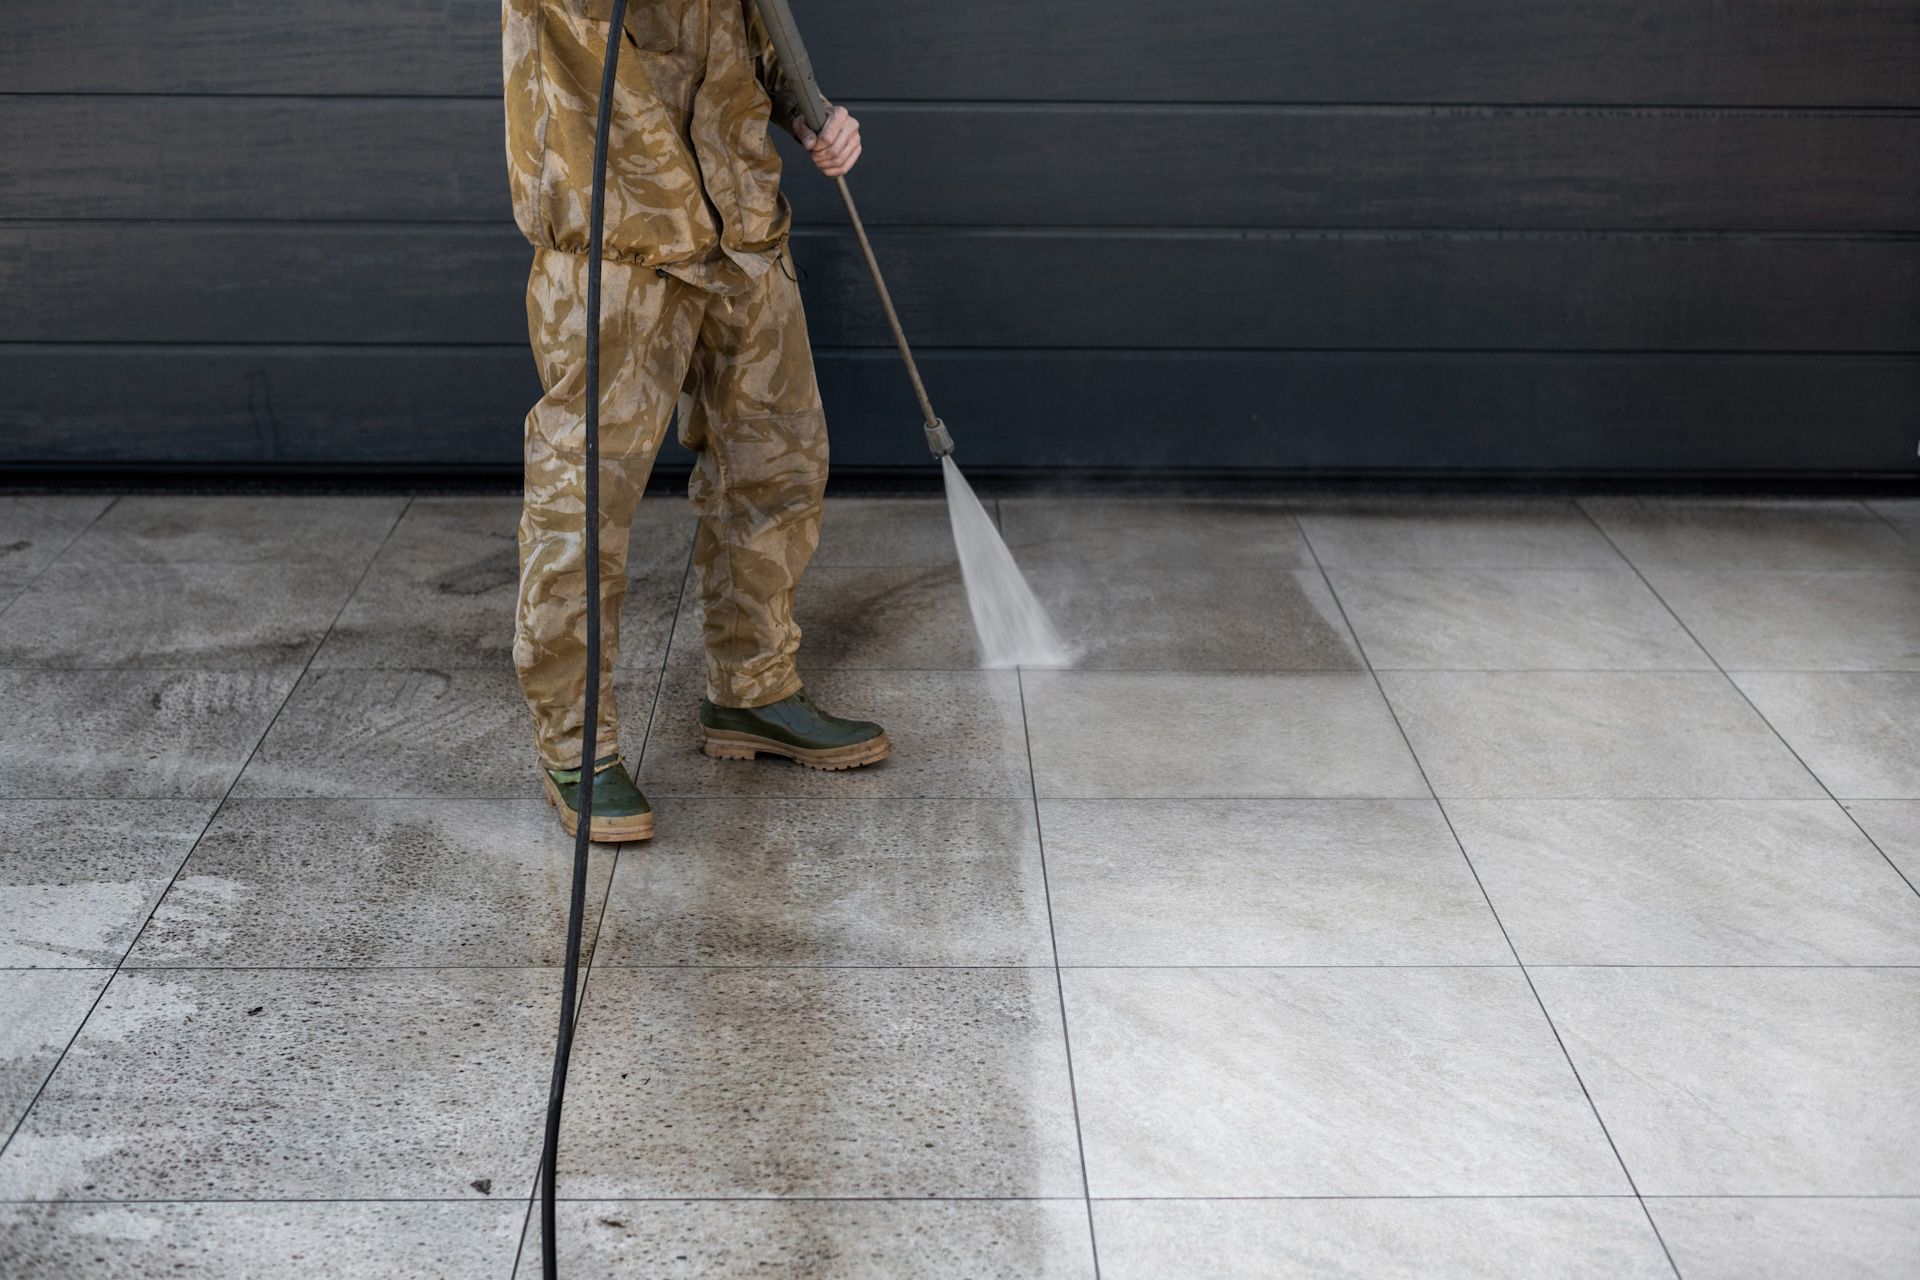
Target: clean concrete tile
(328, 1084)
(834, 882)
(1894, 826)
(132, 733)
(462, 732)
(275, 528)
(955, 733)
(1099, 536)
(1263, 882)
(1830, 621)
(219, 617)
(1753, 1081)
(1201, 618)
(1591, 882)
(1327, 1082)
(1513, 619)
(872, 1240)
(886, 531)
(373, 882)
(40, 1009)
(1101, 734)
(1789, 1239)
(235, 1241)
(1562, 734)
(1859, 733)
(1591, 1239)
(1745, 534)
(1454, 533)
(78, 877)
(34, 528)
(903, 1083)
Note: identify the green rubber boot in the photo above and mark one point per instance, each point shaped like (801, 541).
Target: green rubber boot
(792, 727)
(620, 812)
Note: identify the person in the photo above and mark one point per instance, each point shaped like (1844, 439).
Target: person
(699, 296)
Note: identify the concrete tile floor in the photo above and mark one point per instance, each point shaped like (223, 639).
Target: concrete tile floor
(1487, 889)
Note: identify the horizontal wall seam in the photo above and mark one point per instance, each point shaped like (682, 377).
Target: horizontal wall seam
(1098, 104)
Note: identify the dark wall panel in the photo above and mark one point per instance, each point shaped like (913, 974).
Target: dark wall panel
(1591, 235)
(378, 406)
(201, 282)
(1018, 165)
(1756, 53)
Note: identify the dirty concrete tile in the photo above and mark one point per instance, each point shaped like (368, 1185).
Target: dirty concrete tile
(1546, 734)
(79, 877)
(406, 614)
(1100, 536)
(35, 528)
(872, 1240)
(1136, 734)
(458, 732)
(237, 1241)
(832, 882)
(886, 531)
(40, 1009)
(160, 734)
(373, 883)
(313, 1084)
(1262, 882)
(1748, 1081)
(1327, 1082)
(267, 528)
(1200, 618)
(898, 1083)
(224, 617)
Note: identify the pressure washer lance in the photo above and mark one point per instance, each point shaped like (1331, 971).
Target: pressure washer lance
(1014, 630)
(590, 716)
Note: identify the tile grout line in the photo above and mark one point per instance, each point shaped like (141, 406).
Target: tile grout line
(600, 921)
(1063, 1200)
(1059, 982)
(1780, 737)
(1459, 844)
(212, 815)
(66, 546)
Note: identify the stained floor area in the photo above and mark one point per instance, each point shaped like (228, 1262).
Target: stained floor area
(1396, 888)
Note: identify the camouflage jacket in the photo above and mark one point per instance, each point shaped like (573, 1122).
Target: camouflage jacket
(693, 180)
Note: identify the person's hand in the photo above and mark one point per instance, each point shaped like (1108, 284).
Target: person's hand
(835, 148)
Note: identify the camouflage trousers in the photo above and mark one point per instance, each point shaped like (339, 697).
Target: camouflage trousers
(760, 443)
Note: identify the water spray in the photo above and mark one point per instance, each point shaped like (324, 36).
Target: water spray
(1014, 630)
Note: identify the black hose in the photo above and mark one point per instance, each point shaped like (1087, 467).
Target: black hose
(590, 714)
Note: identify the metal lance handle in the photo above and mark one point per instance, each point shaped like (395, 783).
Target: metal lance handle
(797, 69)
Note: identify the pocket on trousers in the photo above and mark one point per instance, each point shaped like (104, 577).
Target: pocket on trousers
(653, 24)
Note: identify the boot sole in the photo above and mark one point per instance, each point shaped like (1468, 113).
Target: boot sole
(726, 744)
(605, 830)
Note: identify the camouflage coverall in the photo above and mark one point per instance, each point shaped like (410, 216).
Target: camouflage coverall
(697, 293)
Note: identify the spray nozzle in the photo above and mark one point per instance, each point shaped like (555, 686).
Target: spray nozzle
(939, 439)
